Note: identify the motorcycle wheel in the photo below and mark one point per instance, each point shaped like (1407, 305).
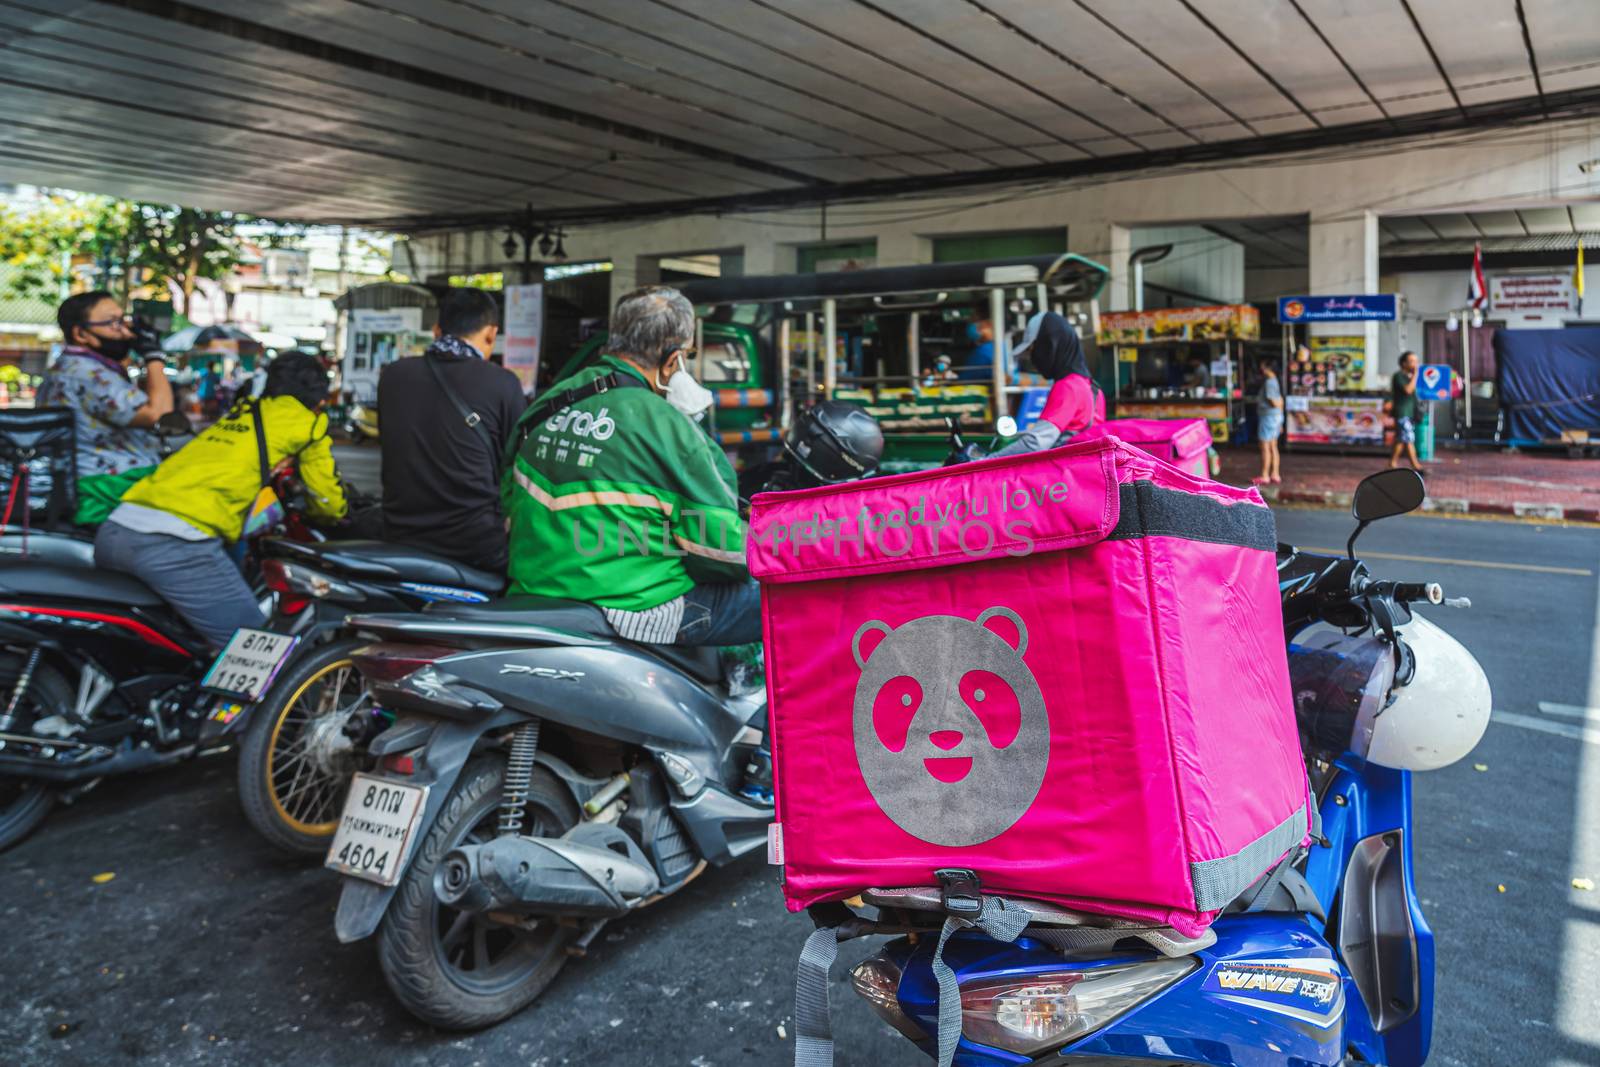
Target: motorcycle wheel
(295, 761)
(455, 970)
(24, 802)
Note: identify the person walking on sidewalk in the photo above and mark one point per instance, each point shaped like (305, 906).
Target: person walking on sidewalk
(1403, 405)
(1269, 424)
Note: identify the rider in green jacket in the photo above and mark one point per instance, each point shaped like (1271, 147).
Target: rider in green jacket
(617, 497)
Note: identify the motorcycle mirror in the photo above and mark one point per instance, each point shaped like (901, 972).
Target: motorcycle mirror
(1005, 426)
(1388, 493)
(1384, 495)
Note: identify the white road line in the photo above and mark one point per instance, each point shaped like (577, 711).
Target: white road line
(1570, 711)
(1560, 729)
(1536, 568)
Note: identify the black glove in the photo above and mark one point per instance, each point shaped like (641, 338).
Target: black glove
(146, 340)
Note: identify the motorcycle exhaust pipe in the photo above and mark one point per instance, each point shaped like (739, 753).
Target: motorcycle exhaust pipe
(595, 871)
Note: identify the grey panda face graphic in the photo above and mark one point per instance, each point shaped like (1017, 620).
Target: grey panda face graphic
(950, 727)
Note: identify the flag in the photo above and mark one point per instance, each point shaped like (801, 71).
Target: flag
(1477, 291)
(1577, 275)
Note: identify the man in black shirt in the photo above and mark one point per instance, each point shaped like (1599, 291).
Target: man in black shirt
(445, 418)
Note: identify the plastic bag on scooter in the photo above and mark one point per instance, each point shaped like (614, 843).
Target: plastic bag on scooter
(1063, 671)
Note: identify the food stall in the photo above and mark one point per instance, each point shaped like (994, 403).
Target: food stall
(1180, 363)
(1325, 399)
(880, 336)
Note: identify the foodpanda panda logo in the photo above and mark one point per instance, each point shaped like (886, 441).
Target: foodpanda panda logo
(949, 724)
(597, 426)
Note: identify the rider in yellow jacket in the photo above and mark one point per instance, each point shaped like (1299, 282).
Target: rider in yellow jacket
(172, 527)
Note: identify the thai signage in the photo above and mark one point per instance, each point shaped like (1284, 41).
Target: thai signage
(1220, 323)
(1337, 420)
(524, 326)
(1372, 307)
(1532, 295)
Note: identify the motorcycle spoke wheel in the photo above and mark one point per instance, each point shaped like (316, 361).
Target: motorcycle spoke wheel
(295, 760)
(308, 787)
(25, 802)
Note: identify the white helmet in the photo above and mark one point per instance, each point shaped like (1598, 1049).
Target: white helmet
(1441, 714)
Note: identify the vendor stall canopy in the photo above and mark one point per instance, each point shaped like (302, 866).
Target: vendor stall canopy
(421, 114)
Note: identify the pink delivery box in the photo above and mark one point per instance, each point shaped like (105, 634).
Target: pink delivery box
(1181, 442)
(1064, 671)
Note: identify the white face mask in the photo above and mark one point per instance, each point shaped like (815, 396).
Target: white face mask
(688, 395)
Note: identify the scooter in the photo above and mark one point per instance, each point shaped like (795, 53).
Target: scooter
(307, 734)
(1326, 960)
(98, 677)
(541, 776)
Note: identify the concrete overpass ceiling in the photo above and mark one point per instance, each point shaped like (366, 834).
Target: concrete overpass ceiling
(1268, 242)
(426, 111)
(1516, 230)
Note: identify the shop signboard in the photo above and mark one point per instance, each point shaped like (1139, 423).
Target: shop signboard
(1337, 364)
(900, 410)
(1337, 420)
(524, 326)
(1370, 307)
(1221, 323)
(1533, 300)
(377, 337)
(1433, 382)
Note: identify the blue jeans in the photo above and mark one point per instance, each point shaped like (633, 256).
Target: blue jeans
(196, 577)
(727, 613)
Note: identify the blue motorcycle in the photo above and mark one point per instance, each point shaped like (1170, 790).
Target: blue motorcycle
(1327, 960)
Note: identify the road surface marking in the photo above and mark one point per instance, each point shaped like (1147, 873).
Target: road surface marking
(1560, 729)
(1570, 711)
(1535, 567)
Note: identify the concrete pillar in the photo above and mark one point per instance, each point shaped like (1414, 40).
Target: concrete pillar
(761, 256)
(1344, 260)
(1108, 244)
(902, 248)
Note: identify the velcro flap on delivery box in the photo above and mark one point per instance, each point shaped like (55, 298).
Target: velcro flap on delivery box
(1013, 506)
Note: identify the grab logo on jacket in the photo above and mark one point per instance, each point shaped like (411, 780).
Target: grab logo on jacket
(950, 727)
(596, 425)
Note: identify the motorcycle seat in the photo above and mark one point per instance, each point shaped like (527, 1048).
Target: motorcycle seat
(46, 546)
(30, 577)
(576, 616)
(385, 561)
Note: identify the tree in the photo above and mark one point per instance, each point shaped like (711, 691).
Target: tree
(151, 244)
(184, 246)
(40, 239)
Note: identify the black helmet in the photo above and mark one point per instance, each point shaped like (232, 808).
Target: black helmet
(835, 442)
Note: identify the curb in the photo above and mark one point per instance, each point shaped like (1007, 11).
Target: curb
(1450, 505)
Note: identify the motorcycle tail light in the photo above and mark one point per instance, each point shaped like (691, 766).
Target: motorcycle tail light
(400, 763)
(877, 981)
(392, 662)
(1029, 1014)
(295, 581)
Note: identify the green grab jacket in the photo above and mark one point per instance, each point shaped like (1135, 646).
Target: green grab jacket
(620, 501)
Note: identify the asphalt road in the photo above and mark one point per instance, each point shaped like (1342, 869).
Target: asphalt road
(208, 947)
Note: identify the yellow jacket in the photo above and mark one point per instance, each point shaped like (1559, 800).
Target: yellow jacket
(212, 480)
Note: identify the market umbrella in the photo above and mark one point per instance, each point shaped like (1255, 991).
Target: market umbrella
(220, 339)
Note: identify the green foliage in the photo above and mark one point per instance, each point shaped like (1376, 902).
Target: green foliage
(40, 239)
(159, 243)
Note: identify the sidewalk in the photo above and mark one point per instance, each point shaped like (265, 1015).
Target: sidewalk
(1536, 485)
